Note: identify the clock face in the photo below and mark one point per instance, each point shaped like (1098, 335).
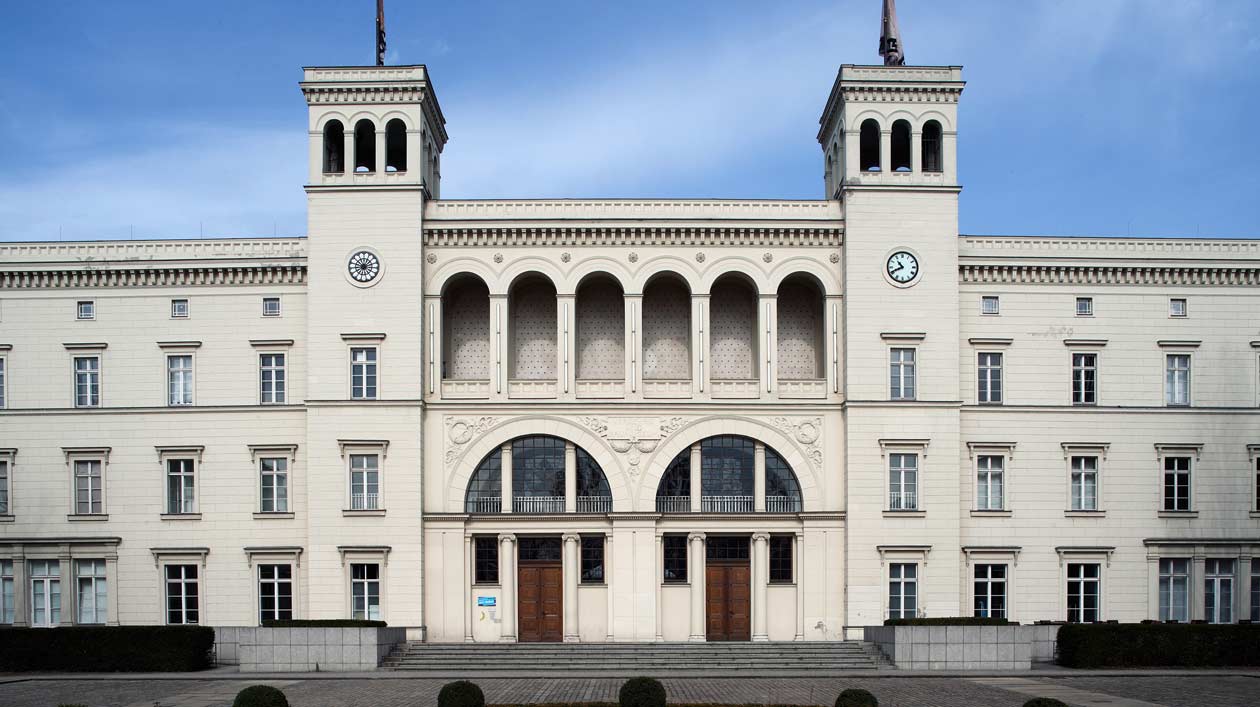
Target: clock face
(364, 266)
(903, 267)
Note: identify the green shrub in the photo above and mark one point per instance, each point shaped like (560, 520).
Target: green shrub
(106, 649)
(260, 696)
(1158, 645)
(947, 621)
(76, 704)
(461, 693)
(642, 692)
(1044, 702)
(856, 697)
(322, 623)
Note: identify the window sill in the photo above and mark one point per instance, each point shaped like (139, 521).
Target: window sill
(1253, 514)
(675, 584)
(905, 514)
(1178, 514)
(81, 517)
(592, 584)
(6, 519)
(272, 516)
(180, 516)
(363, 512)
(1084, 514)
(990, 514)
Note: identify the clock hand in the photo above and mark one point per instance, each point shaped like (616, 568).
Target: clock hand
(899, 267)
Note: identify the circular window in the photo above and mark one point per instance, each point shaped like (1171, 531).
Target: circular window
(363, 267)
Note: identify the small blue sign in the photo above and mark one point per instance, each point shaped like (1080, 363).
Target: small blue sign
(486, 601)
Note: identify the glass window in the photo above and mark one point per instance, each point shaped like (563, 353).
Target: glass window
(1218, 590)
(85, 310)
(901, 384)
(182, 597)
(990, 591)
(990, 482)
(903, 473)
(180, 486)
(275, 592)
(4, 489)
(1256, 506)
(539, 549)
(486, 486)
(92, 593)
(271, 373)
(271, 306)
(783, 493)
(592, 559)
(726, 474)
(7, 599)
(989, 304)
(179, 309)
(989, 377)
(674, 549)
(365, 482)
(3, 389)
(365, 591)
(179, 380)
(591, 482)
(88, 487)
(1084, 379)
(903, 590)
(673, 494)
(1084, 592)
(781, 559)
(1255, 589)
(275, 484)
(87, 381)
(363, 373)
(1177, 379)
(45, 592)
(1174, 589)
(538, 468)
(1084, 306)
(727, 547)
(1176, 483)
(1084, 483)
(1177, 307)
(486, 560)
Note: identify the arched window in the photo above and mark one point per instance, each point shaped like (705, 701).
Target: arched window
(364, 146)
(334, 147)
(466, 330)
(601, 317)
(673, 495)
(485, 488)
(783, 492)
(901, 146)
(532, 323)
(667, 330)
(800, 329)
(726, 474)
(932, 147)
(396, 146)
(869, 147)
(538, 475)
(593, 494)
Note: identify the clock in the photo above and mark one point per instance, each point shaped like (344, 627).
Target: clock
(903, 267)
(364, 266)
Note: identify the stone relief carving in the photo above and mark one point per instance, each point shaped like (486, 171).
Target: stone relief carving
(461, 431)
(431, 258)
(633, 436)
(807, 431)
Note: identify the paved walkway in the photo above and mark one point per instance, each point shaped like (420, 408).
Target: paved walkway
(1081, 690)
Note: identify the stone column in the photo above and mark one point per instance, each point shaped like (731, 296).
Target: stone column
(348, 158)
(659, 574)
(566, 347)
(696, 478)
(916, 151)
(769, 348)
(831, 345)
(1198, 570)
(570, 478)
(507, 588)
(798, 576)
(634, 345)
(69, 592)
(433, 345)
(761, 581)
(759, 477)
(498, 345)
(470, 579)
(572, 571)
(885, 151)
(505, 479)
(22, 589)
(380, 153)
(1242, 588)
(608, 584)
(700, 344)
(695, 575)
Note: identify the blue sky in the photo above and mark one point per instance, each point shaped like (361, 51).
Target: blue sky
(1081, 117)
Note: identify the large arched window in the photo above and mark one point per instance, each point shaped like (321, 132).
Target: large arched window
(364, 146)
(593, 494)
(538, 479)
(538, 475)
(673, 495)
(726, 474)
(334, 147)
(901, 146)
(869, 146)
(396, 146)
(783, 492)
(932, 147)
(466, 330)
(728, 466)
(485, 489)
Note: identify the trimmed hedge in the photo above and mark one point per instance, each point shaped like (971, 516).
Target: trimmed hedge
(948, 621)
(641, 692)
(1158, 645)
(260, 696)
(856, 697)
(322, 623)
(461, 693)
(1044, 702)
(106, 649)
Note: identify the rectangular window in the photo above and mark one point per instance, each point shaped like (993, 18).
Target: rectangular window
(275, 484)
(1218, 590)
(1084, 483)
(365, 591)
(989, 377)
(989, 304)
(902, 374)
(85, 310)
(1174, 590)
(180, 486)
(363, 373)
(1256, 506)
(1084, 306)
(365, 482)
(87, 381)
(592, 559)
(486, 560)
(903, 591)
(179, 379)
(179, 309)
(4, 489)
(903, 477)
(1084, 379)
(1084, 592)
(45, 592)
(990, 483)
(7, 598)
(1255, 589)
(674, 549)
(1176, 483)
(89, 491)
(1177, 307)
(271, 374)
(990, 591)
(275, 592)
(271, 306)
(182, 599)
(3, 389)
(781, 559)
(92, 593)
(1177, 379)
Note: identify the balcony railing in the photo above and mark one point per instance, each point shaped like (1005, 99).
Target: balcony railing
(485, 504)
(594, 504)
(538, 504)
(363, 501)
(783, 504)
(903, 501)
(673, 504)
(726, 504)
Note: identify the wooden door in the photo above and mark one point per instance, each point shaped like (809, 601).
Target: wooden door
(540, 602)
(728, 602)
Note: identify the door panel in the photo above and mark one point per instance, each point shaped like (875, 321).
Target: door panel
(540, 604)
(728, 602)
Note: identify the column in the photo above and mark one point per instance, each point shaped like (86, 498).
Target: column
(696, 479)
(634, 344)
(505, 479)
(608, 585)
(798, 576)
(1152, 587)
(348, 158)
(832, 345)
(760, 580)
(433, 344)
(69, 593)
(916, 151)
(1198, 611)
(507, 588)
(566, 347)
(1242, 589)
(380, 152)
(695, 574)
(885, 151)
(470, 579)
(659, 574)
(699, 344)
(22, 589)
(498, 344)
(768, 304)
(572, 542)
(570, 478)
(759, 477)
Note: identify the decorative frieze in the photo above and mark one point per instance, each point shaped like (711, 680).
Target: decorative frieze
(462, 430)
(807, 431)
(573, 236)
(632, 437)
(222, 276)
(1108, 275)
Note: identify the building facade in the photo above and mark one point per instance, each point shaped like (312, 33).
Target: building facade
(630, 420)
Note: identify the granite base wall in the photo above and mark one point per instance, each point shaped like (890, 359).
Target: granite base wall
(257, 650)
(964, 647)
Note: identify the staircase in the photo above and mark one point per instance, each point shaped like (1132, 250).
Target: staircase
(622, 660)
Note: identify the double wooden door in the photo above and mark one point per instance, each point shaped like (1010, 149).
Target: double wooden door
(728, 601)
(540, 601)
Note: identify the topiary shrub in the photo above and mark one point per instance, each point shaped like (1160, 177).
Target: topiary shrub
(856, 697)
(106, 649)
(260, 696)
(461, 693)
(1044, 702)
(642, 692)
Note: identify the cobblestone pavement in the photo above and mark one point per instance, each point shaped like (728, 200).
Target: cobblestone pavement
(1084, 691)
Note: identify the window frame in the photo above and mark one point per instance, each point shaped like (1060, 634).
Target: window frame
(1069, 578)
(6, 482)
(8, 592)
(669, 554)
(1224, 611)
(366, 471)
(987, 504)
(1255, 589)
(1089, 306)
(1253, 458)
(1170, 389)
(902, 581)
(1082, 369)
(198, 565)
(481, 564)
(175, 309)
(4, 380)
(190, 375)
(1185, 307)
(99, 374)
(367, 583)
(46, 580)
(1193, 454)
(586, 558)
(102, 579)
(375, 364)
(989, 580)
(894, 353)
(279, 311)
(75, 510)
(283, 379)
(981, 379)
(901, 481)
(85, 315)
(997, 305)
(277, 581)
(192, 455)
(788, 557)
(1171, 574)
(1098, 451)
(1179, 498)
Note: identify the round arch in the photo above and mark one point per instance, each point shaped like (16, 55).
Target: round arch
(664, 265)
(808, 267)
(325, 118)
(436, 284)
(595, 267)
(752, 273)
(530, 266)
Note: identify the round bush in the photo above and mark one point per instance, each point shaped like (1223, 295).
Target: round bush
(1044, 702)
(260, 696)
(461, 693)
(856, 697)
(642, 692)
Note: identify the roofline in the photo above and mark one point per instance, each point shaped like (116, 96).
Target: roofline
(1170, 239)
(155, 240)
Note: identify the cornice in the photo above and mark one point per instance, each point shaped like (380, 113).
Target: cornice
(502, 236)
(1024, 274)
(198, 276)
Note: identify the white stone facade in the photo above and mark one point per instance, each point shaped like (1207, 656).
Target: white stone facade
(630, 420)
